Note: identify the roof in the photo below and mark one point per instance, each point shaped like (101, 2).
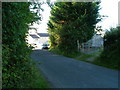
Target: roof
(34, 36)
(43, 34)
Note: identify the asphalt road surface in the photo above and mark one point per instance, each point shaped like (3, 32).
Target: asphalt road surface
(63, 72)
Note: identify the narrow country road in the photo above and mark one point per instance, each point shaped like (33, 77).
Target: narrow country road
(63, 72)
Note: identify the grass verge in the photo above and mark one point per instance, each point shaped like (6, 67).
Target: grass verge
(70, 54)
(93, 58)
(85, 57)
(38, 80)
(97, 61)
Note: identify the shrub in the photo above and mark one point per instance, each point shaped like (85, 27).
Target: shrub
(111, 54)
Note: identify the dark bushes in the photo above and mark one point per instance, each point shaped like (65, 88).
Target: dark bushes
(111, 54)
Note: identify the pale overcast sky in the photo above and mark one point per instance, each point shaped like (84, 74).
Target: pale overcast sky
(109, 8)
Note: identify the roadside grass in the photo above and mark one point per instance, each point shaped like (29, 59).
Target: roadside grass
(95, 58)
(38, 80)
(75, 55)
(99, 61)
(70, 54)
(55, 50)
(85, 57)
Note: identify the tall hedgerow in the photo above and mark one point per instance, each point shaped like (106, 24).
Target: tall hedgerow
(16, 18)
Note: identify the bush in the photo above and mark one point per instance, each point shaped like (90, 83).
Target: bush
(17, 70)
(110, 56)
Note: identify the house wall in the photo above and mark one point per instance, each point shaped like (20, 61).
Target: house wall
(43, 40)
(30, 40)
(96, 41)
(38, 41)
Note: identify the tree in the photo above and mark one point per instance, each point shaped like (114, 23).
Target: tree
(72, 21)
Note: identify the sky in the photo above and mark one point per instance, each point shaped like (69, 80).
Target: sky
(42, 28)
(108, 8)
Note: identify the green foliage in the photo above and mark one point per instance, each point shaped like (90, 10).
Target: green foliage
(17, 68)
(112, 38)
(72, 21)
(111, 54)
(66, 54)
(37, 79)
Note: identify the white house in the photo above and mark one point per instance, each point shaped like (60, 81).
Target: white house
(44, 37)
(37, 39)
(33, 39)
(96, 42)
